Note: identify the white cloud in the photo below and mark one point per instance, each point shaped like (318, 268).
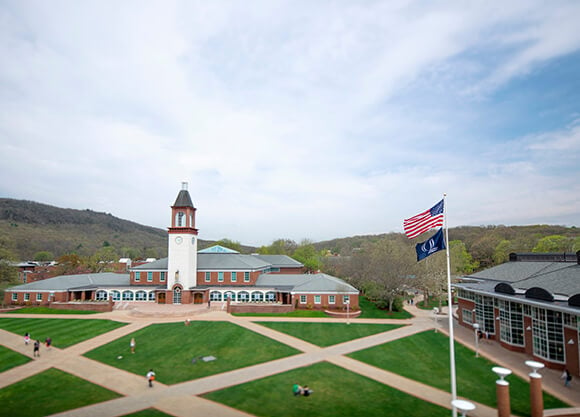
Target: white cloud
(294, 119)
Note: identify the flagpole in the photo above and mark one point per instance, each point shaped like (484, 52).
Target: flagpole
(450, 312)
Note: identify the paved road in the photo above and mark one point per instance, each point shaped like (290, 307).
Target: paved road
(182, 399)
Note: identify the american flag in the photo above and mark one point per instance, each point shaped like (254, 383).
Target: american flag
(425, 221)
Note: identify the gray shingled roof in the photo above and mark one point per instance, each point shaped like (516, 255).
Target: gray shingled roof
(69, 282)
(305, 282)
(214, 261)
(183, 199)
(159, 264)
(279, 261)
(556, 277)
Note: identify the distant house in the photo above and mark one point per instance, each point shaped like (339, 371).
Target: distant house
(530, 304)
(189, 276)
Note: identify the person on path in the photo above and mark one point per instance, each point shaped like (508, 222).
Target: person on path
(132, 345)
(567, 377)
(26, 338)
(150, 377)
(36, 352)
(48, 342)
(306, 391)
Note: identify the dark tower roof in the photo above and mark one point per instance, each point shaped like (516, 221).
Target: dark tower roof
(183, 198)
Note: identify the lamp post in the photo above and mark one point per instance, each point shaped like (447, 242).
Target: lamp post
(347, 302)
(463, 406)
(536, 397)
(436, 318)
(476, 331)
(502, 391)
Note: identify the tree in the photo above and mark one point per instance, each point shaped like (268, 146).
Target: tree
(69, 263)
(227, 243)
(279, 247)
(502, 252)
(43, 256)
(306, 254)
(8, 272)
(554, 243)
(461, 261)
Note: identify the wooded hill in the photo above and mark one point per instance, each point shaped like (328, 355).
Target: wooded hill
(27, 228)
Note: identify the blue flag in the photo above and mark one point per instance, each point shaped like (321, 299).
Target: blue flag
(432, 245)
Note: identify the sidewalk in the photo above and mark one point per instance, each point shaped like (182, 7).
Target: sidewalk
(181, 399)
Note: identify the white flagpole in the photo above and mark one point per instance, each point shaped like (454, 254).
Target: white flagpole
(450, 312)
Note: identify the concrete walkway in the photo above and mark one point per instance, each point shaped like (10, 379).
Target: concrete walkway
(182, 399)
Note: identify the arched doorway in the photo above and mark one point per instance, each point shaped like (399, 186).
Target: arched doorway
(198, 298)
(161, 298)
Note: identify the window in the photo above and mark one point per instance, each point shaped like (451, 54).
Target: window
(346, 299)
(331, 299)
(230, 295)
(215, 296)
(179, 219)
(234, 276)
(302, 299)
(177, 296)
(151, 296)
(207, 276)
(162, 276)
(316, 299)
(149, 276)
(467, 315)
(220, 277)
(484, 313)
(548, 334)
(271, 296)
(274, 269)
(257, 296)
(101, 295)
(137, 276)
(14, 296)
(26, 296)
(141, 295)
(38, 296)
(127, 295)
(246, 276)
(511, 322)
(244, 296)
(116, 295)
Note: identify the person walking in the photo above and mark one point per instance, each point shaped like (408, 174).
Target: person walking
(567, 377)
(132, 345)
(26, 338)
(150, 377)
(48, 342)
(36, 352)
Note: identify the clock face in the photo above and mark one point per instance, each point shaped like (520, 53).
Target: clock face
(178, 240)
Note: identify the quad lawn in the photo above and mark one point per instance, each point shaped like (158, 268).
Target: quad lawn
(10, 359)
(424, 357)
(327, 334)
(46, 310)
(50, 392)
(63, 332)
(175, 351)
(371, 311)
(336, 392)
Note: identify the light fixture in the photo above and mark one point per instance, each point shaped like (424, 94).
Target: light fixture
(501, 373)
(497, 318)
(571, 341)
(528, 328)
(463, 406)
(536, 366)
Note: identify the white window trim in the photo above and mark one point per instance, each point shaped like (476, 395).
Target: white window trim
(220, 276)
(149, 276)
(233, 276)
(14, 296)
(319, 298)
(331, 299)
(162, 276)
(137, 276)
(303, 297)
(38, 296)
(26, 296)
(207, 277)
(246, 276)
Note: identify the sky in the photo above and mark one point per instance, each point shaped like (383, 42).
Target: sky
(294, 119)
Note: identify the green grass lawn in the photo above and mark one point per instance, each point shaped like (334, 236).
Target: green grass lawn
(425, 357)
(327, 334)
(46, 310)
(337, 393)
(371, 311)
(148, 412)
(10, 359)
(169, 349)
(63, 332)
(50, 392)
(295, 313)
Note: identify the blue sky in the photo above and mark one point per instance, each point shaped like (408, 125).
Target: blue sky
(294, 119)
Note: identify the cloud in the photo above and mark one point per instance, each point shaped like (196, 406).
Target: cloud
(289, 119)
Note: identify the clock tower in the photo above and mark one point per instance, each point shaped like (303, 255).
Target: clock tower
(182, 251)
